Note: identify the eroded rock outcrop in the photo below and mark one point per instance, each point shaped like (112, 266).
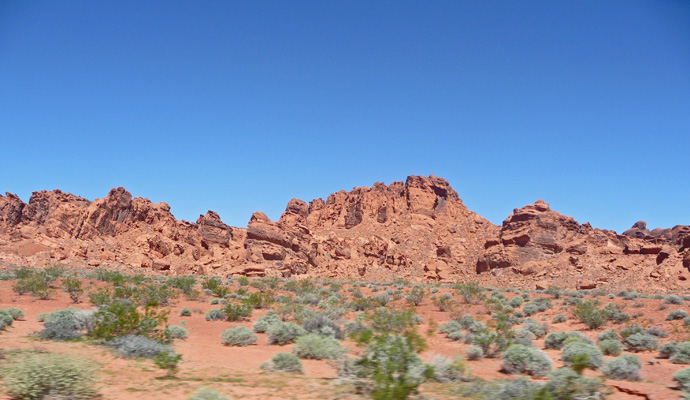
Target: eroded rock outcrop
(417, 229)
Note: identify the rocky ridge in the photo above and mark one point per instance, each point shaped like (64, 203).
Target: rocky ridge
(418, 229)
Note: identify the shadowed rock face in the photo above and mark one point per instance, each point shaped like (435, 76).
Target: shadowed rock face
(417, 229)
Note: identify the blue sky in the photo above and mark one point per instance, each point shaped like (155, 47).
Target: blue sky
(240, 106)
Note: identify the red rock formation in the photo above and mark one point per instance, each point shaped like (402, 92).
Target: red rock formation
(416, 229)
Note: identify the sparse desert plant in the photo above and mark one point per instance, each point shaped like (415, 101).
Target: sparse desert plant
(683, 379)
(471, 292)
(215, 314)
(565, 383)
(237, 312)
(556, 340)
(168, 361)
(641, 342)
(608, 334)
(132, 346)
(416, 296)
(474, 352)
(73, 287)
(450, 327)
(284, 362)
(324, 326)
(673, 299)
(676, 314)
(265, 321)
(668, 349)
(610, 347)
(626, 367)
(284, 333)
(558, 318)
(239, 336)
(176, 332)
(577, 348)
(447, 370)
(539, 330)
(317, 347)
(185, 312)
(519, 359)
(34, 376)
(207, 394)
(122, 318)
(681, 355)
(588, 313)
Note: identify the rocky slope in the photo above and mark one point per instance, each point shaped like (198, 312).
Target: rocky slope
(417, 229)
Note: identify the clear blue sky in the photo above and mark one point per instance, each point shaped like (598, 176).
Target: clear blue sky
(240, 106)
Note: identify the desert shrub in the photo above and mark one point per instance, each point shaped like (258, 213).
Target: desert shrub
(34, 376)
(630, 330)
(61, 330)
(658, 332)
(556, 340)
(132, 346)
(176, 332)
(207, 394)
(668, 349)
(442, 303)
(214, 302)
(447, 370)
(73, 287)
(518, 359)
(239, 336)
(573, 350)
(516, 302)
(610, 347)
(466, 321)
(456, 335)
(676, 314)
(237, 312)
(185, 312)
(474, 352)
(673, 299)
(471, 292)
(523, 337)
(284, 362)
(641, 342)
(167, 361)
(558, 318)
(565, 384)
(323, 326)
(681, 355)
(121, 318)
(315, 346)
(683, 379)
(626, 367)
(416, 296)
(14, 312)
(589, 314)
(449, 327)
(477, 327)
(6, 319)
(215, 314)
(284, 333)
(37, 284)
(539, 330)
(608, 334)
(265, 321)
(391, 362)
(537, 305)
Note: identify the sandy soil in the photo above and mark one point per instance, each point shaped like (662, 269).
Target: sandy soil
(235, 372)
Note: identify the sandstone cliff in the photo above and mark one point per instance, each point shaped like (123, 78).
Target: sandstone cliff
(417, 229)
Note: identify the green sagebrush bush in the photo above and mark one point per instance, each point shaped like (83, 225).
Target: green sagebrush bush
(34, 376)
(641, 342)
(324, 326)
(556, 340)
(318, 347)
(176, 332)
(264, 322)
(683, 379)
(474, 352)
(610, 347)
(283, 362)
(207, 394)
(132, 346)
(215, 314)
(626, 367)
(443, 369)
(681, 355)
(239, 336)
(237, 312)
(284, 333)
(576, 350)
(122, 318)
(520, 359)
(676, 314)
